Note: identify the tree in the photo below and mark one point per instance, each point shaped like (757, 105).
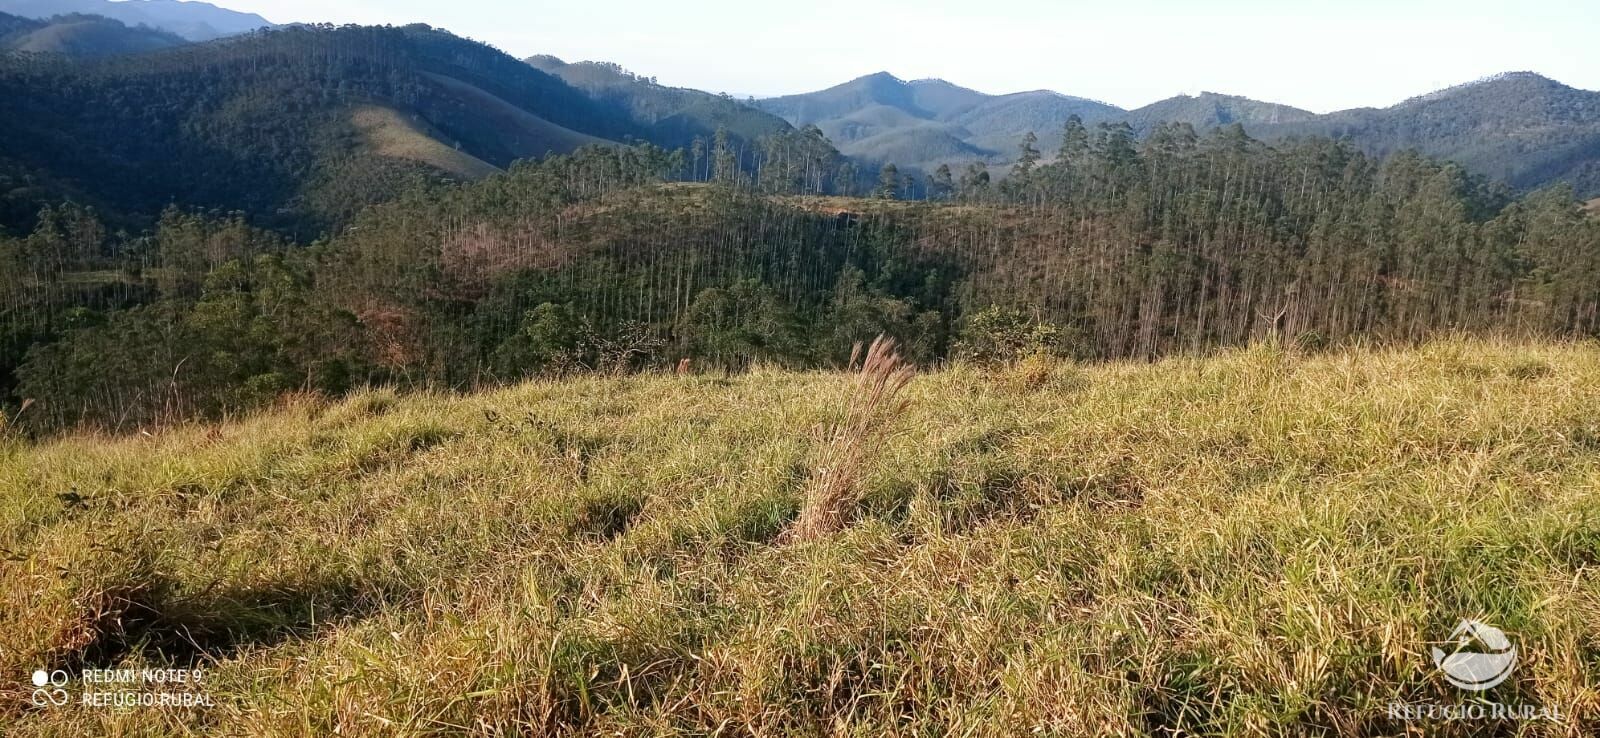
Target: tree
(1027, 157)
(975, 181)
(858, 312)
(1074, 141)
(725, 162)
(551, 338)
(66, 237)
(997, 335)
(742, 324)
(697, 154)
(888, 183)
(942, 184)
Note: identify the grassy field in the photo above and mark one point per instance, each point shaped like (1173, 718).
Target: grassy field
(391, 133)
(1254, 543)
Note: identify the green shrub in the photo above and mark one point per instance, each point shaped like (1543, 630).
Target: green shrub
(1000, 335)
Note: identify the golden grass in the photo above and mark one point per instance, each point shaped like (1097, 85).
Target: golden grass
(390, 134)
(1256, 543)
(833, 490)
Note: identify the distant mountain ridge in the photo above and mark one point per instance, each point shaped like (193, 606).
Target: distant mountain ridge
(307, 124)
(922, 123)
(81, 36)
(926, 122)
(195, 21)
(1518, 127)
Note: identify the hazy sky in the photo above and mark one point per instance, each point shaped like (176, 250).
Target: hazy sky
(1316, 54)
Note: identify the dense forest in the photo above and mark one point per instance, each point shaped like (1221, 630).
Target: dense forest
(599, 261)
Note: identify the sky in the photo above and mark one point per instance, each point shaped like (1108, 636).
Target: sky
(1315, 54)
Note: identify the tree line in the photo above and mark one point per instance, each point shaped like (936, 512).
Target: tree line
(623, 258)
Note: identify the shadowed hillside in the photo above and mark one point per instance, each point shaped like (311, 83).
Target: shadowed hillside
(266, 123)
(669, 116)
(81, 36)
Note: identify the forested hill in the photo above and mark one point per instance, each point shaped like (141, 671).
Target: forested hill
(13, 25)
(192, 20)
(81, 36)
(1210, 110)
(670, 116)
(1520, 128)
(303, 126)
(300, 127)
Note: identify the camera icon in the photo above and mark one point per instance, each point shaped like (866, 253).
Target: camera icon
(48, 690)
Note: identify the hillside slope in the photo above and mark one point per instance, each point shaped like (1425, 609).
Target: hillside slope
(999, 123)
(1257, 542)
(1521, 128)
(1211, 110)
(670, 116)
(81, 36)
(264, 123)
(195, 21)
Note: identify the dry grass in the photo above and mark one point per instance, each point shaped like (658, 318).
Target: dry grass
(1257, 543)
(834, 487)
(389, 133)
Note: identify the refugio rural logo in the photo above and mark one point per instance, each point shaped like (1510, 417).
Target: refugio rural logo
(1472, 669)
(1476, 657)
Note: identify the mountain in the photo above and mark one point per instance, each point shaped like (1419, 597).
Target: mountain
(670, 116)
(80, 36)
(300, 126)
(923, 123)
(1521, 128)
(874, 90)
(1211, 110)
(195, 21)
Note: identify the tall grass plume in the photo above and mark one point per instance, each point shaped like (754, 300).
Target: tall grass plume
(835, 483)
